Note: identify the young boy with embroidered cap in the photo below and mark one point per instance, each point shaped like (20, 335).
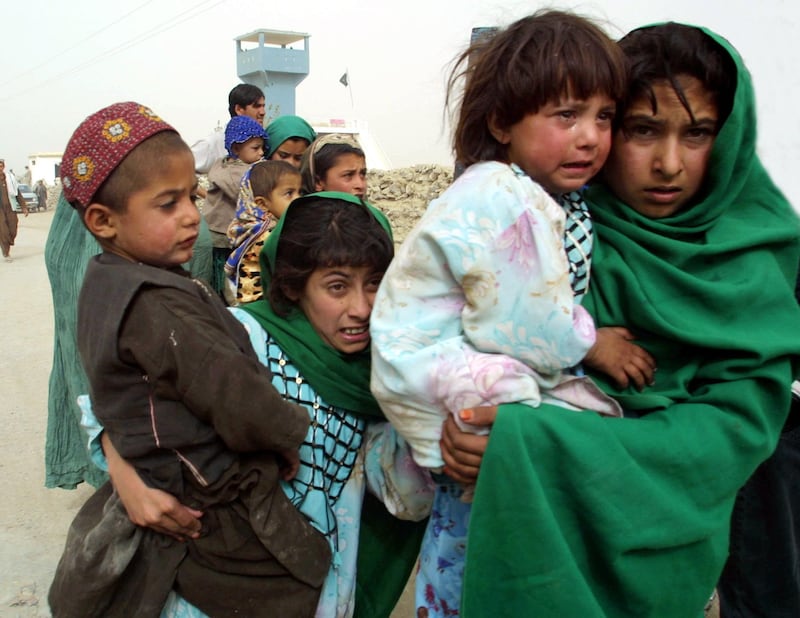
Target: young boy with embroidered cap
(246, 142)
(181, 393)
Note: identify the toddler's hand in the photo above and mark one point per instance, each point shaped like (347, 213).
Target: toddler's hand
(624, 362)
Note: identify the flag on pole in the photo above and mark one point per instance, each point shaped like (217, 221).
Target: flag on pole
(343, 79)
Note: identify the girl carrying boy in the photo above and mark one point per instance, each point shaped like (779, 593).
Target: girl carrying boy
(356, 481)
(481, 304)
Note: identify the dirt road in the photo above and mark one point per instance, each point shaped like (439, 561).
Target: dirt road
(33, 520)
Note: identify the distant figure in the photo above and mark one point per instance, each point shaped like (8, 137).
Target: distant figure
(9, 192)
(26, 176)
(41, 194)
(243, 100)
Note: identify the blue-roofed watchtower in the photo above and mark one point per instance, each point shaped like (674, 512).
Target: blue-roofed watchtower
(276, 61)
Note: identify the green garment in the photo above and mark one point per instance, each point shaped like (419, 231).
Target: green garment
(581, 515)
(67, 251)
(387, 546)
(286, 127)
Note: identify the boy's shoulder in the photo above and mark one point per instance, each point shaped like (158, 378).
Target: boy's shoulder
(112, 273)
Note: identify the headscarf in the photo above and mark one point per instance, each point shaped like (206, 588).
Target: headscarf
(250, 221)
(287, 127)
(340, 379)
(240, 129)
(630, 517)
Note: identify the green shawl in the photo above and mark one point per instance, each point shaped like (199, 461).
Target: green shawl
(581, 515)
(387, 546)
(286, 127)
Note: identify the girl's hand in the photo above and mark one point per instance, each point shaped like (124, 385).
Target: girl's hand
(463, 452)
(148, 507)
(624, 362)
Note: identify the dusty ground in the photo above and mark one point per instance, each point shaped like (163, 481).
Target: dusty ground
(34, 520)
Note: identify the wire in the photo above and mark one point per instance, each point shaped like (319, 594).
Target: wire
(159, 29)
(78, 44)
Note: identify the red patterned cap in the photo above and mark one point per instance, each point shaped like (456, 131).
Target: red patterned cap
(99, 145)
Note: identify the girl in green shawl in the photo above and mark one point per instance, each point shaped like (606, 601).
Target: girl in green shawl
(288, 137)
(697, 254)
(356, 481)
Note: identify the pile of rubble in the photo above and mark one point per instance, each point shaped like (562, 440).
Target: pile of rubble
(404, 193)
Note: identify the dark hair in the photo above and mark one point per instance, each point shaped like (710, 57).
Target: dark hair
(320, 233)
(663, 53)
(515, 71)
(265, 176)
(243, 95)
(139, 164)
(322, 155)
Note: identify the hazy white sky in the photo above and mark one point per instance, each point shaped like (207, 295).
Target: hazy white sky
(64, 60)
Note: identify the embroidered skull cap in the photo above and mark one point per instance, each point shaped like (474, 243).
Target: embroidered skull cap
(99, 145)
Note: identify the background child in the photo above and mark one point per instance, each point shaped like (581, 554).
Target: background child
(335, 162)
(481, 303)
(167, 365)
(245, 141)
(289, 137)
(267, 189)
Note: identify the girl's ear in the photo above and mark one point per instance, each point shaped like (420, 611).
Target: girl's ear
(101, 221)
(235, 147)
(500, 134)
(319, 185)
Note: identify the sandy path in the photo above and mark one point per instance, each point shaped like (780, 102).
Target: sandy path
(33, 520)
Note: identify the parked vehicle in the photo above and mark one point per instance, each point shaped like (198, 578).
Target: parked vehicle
(30, 198)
